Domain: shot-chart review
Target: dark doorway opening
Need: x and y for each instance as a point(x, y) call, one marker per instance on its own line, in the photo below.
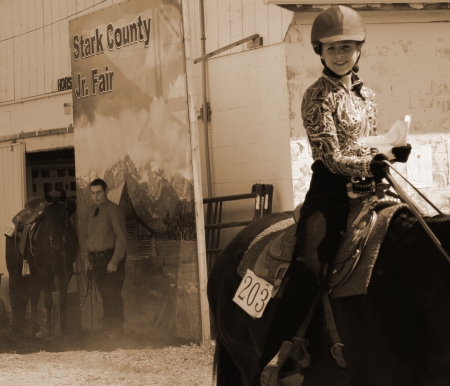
point(51, 171)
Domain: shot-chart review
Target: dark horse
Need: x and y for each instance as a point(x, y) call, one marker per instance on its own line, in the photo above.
point(54, 252)
point(396, 335)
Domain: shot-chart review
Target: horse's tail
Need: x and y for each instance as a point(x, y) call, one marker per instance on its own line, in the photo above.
point(225, 371)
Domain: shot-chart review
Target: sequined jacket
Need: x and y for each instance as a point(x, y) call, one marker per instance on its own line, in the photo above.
point(334, 118)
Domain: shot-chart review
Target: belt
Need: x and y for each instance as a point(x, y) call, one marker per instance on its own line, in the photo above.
point(357, 187)
point(101, 253)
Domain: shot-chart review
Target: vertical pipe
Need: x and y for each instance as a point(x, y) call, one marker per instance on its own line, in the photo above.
point(196, 170)
point(205, 99)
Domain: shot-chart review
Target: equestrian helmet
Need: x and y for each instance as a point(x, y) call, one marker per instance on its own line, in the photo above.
point(336, 24)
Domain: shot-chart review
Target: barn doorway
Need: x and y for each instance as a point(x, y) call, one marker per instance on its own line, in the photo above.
point(51, 171)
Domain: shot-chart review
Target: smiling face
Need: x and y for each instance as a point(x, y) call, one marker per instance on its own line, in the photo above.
point(340, 57)
point(98, 195)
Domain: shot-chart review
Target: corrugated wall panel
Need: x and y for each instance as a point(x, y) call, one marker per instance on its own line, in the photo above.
point(12, 194)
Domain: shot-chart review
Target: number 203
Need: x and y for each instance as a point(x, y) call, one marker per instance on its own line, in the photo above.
point(251, 292)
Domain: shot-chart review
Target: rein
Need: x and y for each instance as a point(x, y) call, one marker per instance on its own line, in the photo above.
point(413, 208)
point(65, 229)
point(63, 249)
point(90, 281)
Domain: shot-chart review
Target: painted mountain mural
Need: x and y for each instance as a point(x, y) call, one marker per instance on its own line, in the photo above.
point(164, 203)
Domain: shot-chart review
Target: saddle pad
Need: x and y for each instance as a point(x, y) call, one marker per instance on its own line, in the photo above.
point(10, 229)
point(358, 282)
point(270, 253)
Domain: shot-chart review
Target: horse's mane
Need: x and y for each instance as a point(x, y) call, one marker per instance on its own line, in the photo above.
point(440, 218)
point(404, 221)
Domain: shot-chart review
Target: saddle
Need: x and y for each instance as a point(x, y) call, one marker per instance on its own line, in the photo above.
point(349, 274)
point(270, 253)
point(23, 225)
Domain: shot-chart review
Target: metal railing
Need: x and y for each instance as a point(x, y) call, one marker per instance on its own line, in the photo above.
point(262, 195)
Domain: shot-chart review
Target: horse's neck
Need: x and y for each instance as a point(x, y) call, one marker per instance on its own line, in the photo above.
point(41, 235)
point(410, 240)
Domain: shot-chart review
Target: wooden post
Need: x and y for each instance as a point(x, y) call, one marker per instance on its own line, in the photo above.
point(196, 166)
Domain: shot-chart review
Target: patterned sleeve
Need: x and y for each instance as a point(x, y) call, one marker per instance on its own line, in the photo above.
point(339, 154)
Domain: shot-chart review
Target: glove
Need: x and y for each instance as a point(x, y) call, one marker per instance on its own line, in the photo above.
point(377, 167)
point(401, 153)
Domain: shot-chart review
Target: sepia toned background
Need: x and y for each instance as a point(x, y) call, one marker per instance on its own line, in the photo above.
point(255, 133)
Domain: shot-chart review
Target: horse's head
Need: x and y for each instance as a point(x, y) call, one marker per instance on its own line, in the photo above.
point(57, 212)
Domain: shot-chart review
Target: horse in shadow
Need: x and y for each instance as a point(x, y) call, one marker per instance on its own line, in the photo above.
point(396, 335)
point(50, 254)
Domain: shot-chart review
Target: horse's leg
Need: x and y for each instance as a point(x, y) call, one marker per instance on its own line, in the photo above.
point(19, 286)
point(48, 302)
point(64, 280)
point(240, 359)
point(370, 335)
point(19, 293)
point(227, 373)
point(36, 286)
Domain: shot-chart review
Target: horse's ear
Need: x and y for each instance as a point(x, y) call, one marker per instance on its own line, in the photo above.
point(47, 197)
point(63, 195)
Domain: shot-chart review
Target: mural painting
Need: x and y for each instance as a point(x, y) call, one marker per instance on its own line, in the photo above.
point(132, 130)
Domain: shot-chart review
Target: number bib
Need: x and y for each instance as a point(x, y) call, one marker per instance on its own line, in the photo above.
point(253, 294)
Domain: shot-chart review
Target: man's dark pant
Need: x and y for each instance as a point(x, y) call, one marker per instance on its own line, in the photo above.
point(110, 288)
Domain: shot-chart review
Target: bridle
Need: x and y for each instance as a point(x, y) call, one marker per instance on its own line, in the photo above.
point(65, 227)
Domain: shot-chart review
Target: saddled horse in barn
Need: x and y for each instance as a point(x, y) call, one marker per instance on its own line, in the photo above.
point(50, 249)
point(397, 333)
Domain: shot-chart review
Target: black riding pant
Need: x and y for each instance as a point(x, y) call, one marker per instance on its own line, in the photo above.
point(110, 286)
point(323, 217)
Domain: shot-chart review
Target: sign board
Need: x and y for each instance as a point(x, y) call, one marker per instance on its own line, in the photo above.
point(132, 130)
point(65, 83)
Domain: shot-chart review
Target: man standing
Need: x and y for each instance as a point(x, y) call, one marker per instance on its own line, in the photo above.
point(104, 235)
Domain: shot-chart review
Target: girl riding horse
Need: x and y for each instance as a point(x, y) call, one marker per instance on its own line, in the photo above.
point(337, 110)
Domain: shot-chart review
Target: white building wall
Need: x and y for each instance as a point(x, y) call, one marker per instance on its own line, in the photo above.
point(44, 113)
point(34, 54)
point(228, 21)
point(250, 127)
point(248, 131)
